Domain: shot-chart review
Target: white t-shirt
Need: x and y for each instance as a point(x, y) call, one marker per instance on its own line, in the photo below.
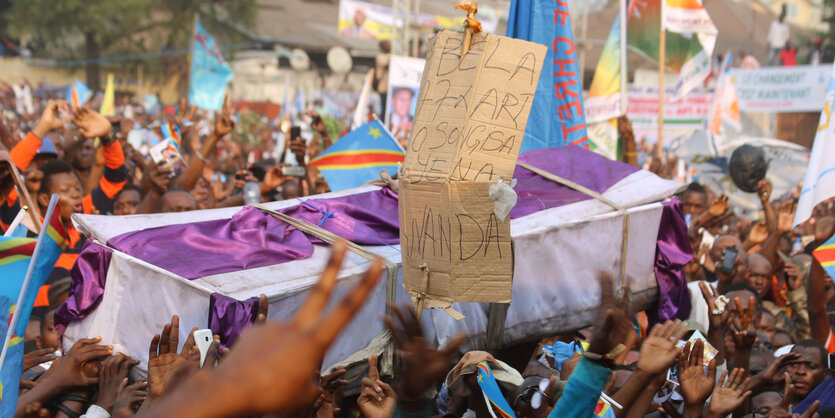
point(778, 34)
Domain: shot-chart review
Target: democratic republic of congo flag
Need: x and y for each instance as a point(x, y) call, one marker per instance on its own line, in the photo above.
point(78, 94)
point(825, 254)
point(15, 255)
point(358, 157)
point(492, 392)
point(172, 134)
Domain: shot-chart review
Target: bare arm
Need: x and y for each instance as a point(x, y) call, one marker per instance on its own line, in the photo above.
point(818, 319)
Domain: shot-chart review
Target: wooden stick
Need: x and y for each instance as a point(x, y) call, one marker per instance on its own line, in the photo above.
point(421, 296)
point(468, 39)
point(662, 49)
point(26, 201)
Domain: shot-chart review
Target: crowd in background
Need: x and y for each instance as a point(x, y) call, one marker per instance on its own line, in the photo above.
point(759, 299)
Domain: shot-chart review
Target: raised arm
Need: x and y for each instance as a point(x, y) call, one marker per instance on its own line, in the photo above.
point(223, 125)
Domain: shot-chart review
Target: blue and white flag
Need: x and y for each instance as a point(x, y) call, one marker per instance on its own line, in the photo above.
point(819, 183)
point(557, 116)
point(209, 72)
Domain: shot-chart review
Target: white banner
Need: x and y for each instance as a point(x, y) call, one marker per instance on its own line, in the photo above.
point(359, 19)
point(681, 116)
point(404, 83)
point(819, 182)
point(782, 89)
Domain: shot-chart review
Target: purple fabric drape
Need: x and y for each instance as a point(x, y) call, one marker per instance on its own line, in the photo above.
point(364, 218)
point(672, 253)
point(250, 239)
point(229, 317)
point(88, 277)
point(574, 163)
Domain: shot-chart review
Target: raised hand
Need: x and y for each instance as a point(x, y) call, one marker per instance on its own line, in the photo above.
point(719, 207)
point(129, 398)
point(330, 386)
point(69, 372)
point(785, 217)
point(163, 360)
point(774, 373)
point(613, 318)
point(765, 189)
point(377, 399)
point(758, 233)
point(729, 393)
point(717, 321)
point(159, 176)
point(113, 372)
point(695, 386)
point(782, 409)
point(38, 357)
point(424, 365)
point(91, 124)
point(51, 118)
point(743, 327)
point(659, 350)
point(292, 350)
point(224, 122)
point(794, 277)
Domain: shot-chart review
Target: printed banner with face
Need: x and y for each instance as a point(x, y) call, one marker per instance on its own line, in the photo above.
point(404, 83)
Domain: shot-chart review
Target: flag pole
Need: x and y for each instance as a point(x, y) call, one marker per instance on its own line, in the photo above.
point(662, 41)
point(624, 19)
point(33, 262)
point(190, 55)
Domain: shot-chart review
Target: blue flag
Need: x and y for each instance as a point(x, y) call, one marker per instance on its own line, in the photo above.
point(77, 94)
point(209, 72)
point(15, 255)
point(557, 115)
point(492, 393)
point(358, 157)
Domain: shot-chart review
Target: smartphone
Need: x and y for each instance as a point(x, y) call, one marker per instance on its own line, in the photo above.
point(295, 132)
point(295, 171)
point(830, 360)
point(203, 339)
point(729, 260)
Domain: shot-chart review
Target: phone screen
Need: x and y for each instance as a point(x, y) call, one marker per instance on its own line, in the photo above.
point(295, 132)
point(730, 259)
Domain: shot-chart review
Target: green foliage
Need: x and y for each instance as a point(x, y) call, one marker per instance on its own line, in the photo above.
point(334, 126)
point(71, 29)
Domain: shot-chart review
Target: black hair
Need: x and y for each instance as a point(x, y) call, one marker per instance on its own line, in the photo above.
point(766, 389)
point(740, 285)
point(51, 168)
point(812, 343)
point(696, 188)
point(129, 186)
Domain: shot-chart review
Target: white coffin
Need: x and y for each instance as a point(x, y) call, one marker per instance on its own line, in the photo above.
point(557, 254)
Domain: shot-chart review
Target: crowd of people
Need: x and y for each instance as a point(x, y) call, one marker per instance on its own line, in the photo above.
point(756, 341)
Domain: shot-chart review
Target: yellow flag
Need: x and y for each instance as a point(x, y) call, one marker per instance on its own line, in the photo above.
point(107, 105)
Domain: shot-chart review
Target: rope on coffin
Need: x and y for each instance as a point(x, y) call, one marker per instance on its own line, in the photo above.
point(391, 269)
point(585, 190)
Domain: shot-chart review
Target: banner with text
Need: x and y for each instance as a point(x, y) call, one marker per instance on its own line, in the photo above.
point(681, 116)
point(781, 89)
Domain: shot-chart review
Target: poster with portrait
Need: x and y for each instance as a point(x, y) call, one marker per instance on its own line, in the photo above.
point(373, 22)
point(401, 100)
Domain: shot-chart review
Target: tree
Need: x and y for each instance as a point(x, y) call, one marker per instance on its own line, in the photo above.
point(92, 29)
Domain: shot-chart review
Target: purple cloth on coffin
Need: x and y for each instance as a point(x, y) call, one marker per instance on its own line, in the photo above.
point(229, 317)
point(250, 239)
point(570, 162)
point(365, 218)
point(88, 277)
point(672, 253)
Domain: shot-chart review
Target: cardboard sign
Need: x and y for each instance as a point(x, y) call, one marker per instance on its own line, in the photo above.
point(469, 123)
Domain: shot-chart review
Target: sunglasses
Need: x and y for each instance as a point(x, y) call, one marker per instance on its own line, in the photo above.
point(534, 395)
